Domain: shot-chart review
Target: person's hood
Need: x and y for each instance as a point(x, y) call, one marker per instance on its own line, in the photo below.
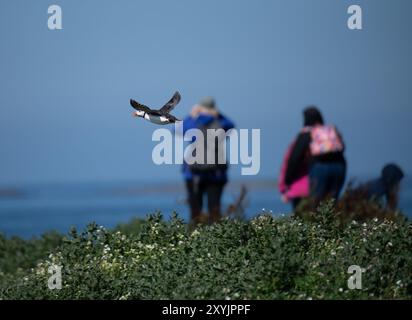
point(208, 103)
point(392, 174)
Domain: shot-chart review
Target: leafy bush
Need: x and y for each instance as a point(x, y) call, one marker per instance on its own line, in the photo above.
point(265, 258)
point(18, 255)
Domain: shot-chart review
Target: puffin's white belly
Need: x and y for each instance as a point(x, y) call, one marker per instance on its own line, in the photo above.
point(156, 119)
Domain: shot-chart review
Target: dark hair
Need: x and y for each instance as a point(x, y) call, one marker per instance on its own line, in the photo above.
point(312, 116)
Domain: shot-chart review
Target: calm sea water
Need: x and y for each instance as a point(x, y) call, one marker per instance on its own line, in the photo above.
point(32, 210)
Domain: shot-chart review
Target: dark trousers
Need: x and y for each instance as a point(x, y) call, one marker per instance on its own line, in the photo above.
point(326, 180)
point(197, 189)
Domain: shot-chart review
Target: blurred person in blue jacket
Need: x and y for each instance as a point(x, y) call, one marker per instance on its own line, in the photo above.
point(204, 178)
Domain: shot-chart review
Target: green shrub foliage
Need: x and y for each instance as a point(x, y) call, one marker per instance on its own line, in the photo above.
point(265, 258)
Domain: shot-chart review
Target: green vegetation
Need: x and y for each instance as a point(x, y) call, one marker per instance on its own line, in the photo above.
point(265, 258)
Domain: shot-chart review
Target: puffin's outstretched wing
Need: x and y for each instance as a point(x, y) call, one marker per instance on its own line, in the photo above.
point(168, 107)
point(139, 107)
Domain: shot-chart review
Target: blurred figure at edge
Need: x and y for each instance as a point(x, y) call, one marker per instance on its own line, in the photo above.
point(385, 189)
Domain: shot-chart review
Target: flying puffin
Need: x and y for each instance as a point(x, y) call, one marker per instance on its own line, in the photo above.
point(161, 116)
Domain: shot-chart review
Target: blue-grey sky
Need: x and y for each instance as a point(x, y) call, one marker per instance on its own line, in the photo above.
point(64, 94)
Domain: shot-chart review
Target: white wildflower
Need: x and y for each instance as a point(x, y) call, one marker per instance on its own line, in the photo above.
point(195, 233)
